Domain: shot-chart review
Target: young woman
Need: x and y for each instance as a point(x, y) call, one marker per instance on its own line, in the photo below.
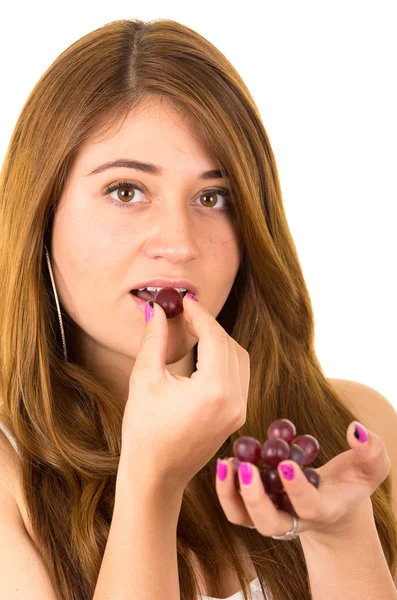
point(140, 160)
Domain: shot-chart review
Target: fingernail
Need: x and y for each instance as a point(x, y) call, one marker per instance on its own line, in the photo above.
point(189, 295)
point(245, 470)
point(221, 469)
point(360, 432)
point(287, 471)
point(149, 310)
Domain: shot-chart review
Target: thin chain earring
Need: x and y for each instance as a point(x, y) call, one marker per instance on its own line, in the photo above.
point(57, 303)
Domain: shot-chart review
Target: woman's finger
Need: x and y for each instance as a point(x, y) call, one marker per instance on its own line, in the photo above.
point(229, 497)
point(266, 517)
point(372, 458)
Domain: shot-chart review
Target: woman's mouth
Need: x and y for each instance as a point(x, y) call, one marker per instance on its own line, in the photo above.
point(170, 299)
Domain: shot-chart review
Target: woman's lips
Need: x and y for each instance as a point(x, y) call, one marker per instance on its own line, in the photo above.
point(140, 301)
point(144, 294)
point(169, 304)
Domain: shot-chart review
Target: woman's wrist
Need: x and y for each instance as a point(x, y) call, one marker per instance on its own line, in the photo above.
point(348, 565)
point(362, 524)
point(147, 481)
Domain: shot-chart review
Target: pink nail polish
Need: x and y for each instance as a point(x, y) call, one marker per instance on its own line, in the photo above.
point(287, 472)
point(189, 295)
point(245, 470)
point(221, 469)
point(149, 310)
point(360, 432)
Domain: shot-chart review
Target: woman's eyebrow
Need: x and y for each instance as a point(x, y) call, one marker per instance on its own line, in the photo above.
point(150, 168)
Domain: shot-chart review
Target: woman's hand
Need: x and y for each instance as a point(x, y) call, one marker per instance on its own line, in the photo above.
point(346, 485)
point(173, 425)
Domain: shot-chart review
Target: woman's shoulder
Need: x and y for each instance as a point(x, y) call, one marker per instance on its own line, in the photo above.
point(9, 462)
point(10, 477)
point(9, 473)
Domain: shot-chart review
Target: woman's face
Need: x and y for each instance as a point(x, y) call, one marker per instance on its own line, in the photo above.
point(170, 229)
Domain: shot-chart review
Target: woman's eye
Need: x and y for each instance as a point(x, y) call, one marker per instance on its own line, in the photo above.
point(211, 198)
point(126, 193)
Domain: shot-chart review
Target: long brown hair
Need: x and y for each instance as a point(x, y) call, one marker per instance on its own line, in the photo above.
point(66, 422)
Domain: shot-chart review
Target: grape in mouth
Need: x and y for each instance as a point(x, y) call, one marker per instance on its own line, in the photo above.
point(170, 300)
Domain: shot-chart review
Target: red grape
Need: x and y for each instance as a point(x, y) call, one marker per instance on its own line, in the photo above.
point(247, 449)
point(271, 480)
point(285, 504)
point(236, 463)
point(274, 451)
point(280, 445)
point(312, 476)
point(282, 428)
point(296, 454)
point(309, 445)
point(275, 498)
point(170, 301)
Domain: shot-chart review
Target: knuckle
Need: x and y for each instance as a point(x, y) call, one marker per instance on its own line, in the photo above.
point(236, 416)
point(242, 352)
point(240, 419)
point(217, 395)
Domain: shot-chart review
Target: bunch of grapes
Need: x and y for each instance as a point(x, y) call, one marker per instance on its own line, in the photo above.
point(281, 444)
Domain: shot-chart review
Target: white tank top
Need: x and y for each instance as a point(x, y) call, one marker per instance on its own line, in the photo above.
point(255, 586)
point(256, 593)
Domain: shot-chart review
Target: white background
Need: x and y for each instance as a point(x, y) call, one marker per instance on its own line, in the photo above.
point(323, 75)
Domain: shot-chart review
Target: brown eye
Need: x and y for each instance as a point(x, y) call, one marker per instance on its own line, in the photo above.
point(125, 194)
point(211, 198)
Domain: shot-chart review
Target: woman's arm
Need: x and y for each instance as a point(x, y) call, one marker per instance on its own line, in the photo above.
point(140, 559)
point(349, 567)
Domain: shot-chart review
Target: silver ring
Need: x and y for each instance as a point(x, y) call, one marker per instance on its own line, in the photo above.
point(290, 535)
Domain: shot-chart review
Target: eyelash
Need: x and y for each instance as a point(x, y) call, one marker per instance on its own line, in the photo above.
point(134, 186)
